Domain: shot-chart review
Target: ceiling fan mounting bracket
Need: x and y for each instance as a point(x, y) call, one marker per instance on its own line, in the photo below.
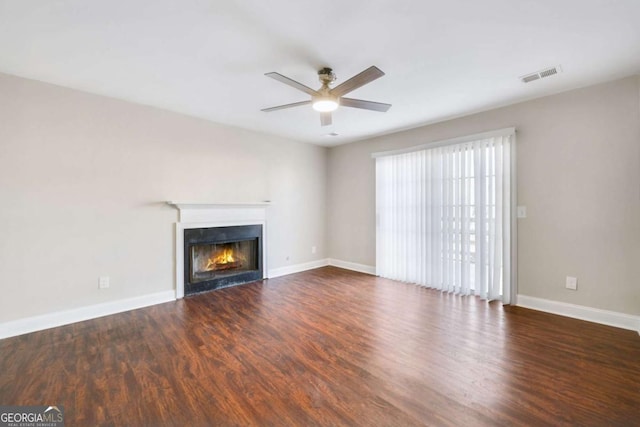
point(326, 76)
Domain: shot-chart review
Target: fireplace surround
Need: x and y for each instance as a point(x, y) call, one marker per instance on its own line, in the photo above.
point(217, 257)
point(206, 215)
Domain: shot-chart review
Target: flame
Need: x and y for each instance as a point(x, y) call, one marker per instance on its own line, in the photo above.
point(223, 257)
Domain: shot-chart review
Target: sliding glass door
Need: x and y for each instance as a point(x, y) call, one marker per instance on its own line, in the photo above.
point(444, 216)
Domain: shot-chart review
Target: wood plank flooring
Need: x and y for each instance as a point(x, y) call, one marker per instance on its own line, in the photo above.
point(328, 347)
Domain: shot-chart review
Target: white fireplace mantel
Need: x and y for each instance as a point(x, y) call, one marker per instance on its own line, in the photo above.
point(211, 214)
point(205, 205)
point(212, 211)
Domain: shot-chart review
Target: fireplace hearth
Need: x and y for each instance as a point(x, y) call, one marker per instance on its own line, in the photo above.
point(218, 257)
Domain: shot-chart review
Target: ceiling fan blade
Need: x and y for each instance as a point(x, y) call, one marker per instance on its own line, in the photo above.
point(366, 105)
point(325, 119)
point(367, 76)
point(292, 83)
point(282, 107)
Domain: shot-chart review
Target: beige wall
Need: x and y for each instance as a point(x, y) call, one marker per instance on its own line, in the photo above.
point(578, 171)
point(82, 184)
point(83, 178)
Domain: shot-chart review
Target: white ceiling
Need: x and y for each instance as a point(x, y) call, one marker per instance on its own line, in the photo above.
point(207, 58)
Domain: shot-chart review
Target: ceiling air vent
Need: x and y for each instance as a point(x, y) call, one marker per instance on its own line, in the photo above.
point(541, 74)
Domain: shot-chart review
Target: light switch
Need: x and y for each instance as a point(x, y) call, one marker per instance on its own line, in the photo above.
point(521, 212)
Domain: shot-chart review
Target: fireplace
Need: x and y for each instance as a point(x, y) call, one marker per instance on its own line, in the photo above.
point(218, 257)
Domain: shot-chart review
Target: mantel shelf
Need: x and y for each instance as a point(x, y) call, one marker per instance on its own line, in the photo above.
point(214, 205)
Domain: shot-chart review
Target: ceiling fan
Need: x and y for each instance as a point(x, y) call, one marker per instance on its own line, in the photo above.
point(325, 100)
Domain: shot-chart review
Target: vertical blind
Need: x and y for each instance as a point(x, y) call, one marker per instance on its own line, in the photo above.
point(444, 217)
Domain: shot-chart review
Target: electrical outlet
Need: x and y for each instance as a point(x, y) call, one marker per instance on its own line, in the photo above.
point(313, 249)
point(571, 283)
point(103, 282)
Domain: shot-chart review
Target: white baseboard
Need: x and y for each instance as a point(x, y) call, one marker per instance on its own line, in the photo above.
point(605, 317)
point(297, 268)
point(60, 318)
point(362, 268)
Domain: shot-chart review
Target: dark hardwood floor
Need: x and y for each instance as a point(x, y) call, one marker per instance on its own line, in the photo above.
point(328, 347)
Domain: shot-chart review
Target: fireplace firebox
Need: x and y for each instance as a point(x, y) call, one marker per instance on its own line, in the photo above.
point(218, 257)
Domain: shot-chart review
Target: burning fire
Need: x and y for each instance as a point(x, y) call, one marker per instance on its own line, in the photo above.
point(221, 259)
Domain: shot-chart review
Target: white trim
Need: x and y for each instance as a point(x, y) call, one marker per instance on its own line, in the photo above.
point(451, 141)
point(297, 268)
point(210, 205)
point(209, 211)
point(514, 223)
point(60, 318)
point(605, 317)
point(347, 265)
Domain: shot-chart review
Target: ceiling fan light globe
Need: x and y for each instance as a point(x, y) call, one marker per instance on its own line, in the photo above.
point(325, 105)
